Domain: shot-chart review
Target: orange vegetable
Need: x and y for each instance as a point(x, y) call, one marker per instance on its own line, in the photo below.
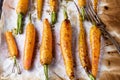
point(95, 4)
point(83, 47)
point(39, 8)
point(12, 46)
point(66, 46)
point(81, 3)
point(46, 47)
point(29, 45)
point(53, 6)
point(22, 6)
point(83, 54)
point(95, 36)
point(21, 10)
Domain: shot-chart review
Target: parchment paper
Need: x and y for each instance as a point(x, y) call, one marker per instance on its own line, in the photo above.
point(56, 69)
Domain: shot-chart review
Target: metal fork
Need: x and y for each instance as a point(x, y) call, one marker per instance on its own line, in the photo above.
point(94, 18)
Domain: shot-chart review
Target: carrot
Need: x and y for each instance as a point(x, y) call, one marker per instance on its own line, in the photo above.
point(82, 4)
point(21, 10)
point(95, 35)
point(29, 45)
point(39, 8)
point(83, 55)
point(53, 6)
point(66, 46)
point(46, 47)
point(95, 3)
point(83, 47)
point(12, 46)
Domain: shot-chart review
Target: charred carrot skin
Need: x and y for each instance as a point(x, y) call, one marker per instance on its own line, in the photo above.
point(39, 8)
point(95, 36)
point(21, 10)
point(83, 54)
point(29, 45)
point(53, 6)
point(46, 47)
point(12, 46)
point(83, 47)
point(66, 46)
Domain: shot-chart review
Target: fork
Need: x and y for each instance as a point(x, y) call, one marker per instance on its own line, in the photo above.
point(94, 18)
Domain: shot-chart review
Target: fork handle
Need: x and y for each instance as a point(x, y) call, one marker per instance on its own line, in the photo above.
point(109, 36)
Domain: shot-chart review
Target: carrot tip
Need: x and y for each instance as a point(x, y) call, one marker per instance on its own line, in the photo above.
point(46, 71)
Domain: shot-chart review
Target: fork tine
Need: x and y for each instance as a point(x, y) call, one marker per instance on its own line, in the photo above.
point(93, 12)
point(79, 11)
point(76, 7)
point(92, 16)
point(88, 15)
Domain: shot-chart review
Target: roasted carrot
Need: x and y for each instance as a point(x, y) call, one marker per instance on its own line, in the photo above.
point(83, 47)
point(66, 46)
point(12, 46)
point(39, 8)
point(53, 6)
point(29, 45)
point(95, 36)
point(46, 47)
point(95, 4)
point(83, 54)
point(21, 10)
point(82, 4)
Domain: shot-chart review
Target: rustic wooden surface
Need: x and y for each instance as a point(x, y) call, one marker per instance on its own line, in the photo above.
point(111, 17)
